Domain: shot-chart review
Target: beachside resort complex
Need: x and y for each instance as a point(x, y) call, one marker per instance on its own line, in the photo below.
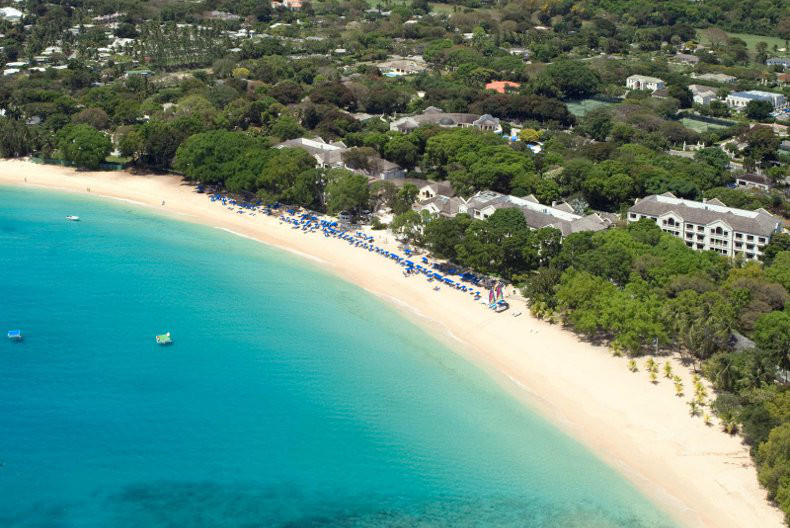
point(613, 177)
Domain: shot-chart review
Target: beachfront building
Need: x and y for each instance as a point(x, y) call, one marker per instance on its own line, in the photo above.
point(754, 181)
point(330, 156)
point(643, 82)
point(709, 225)
point(437, 116)
point(739, 100)
point(703, 95)
point(483, 204)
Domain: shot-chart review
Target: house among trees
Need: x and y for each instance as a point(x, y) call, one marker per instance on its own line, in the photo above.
point(702, 95)
point(685, 58)
point(287, 4)
point(784, 62)
point(754, 181)
point(709, 225)
point(332, 156)
point(643, 82)
point(437, 116)
point(739, 100)
point(502, 86)
point(11, 14)
point(716, 77)
point(399, 66)
point(431, 189)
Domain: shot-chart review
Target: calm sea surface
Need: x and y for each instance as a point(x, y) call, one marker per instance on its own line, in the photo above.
point(289, 398)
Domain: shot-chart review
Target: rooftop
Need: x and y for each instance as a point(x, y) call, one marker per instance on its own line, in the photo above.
point(759, 222)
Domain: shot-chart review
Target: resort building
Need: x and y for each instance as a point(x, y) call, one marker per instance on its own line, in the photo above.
point(702, 95)
point(784, 62)
point(330, 156)
point(643, 82)
point(754, 181)
point(739, 100)
point(431, 189)
point(502, 86)
point(483, 204)
point(436, 116)
point(709, 225)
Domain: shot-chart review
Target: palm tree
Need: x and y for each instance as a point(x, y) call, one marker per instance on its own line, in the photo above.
point(667, 370)
point(694, 408)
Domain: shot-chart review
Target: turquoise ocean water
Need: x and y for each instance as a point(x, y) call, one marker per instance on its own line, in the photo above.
point(289, 399)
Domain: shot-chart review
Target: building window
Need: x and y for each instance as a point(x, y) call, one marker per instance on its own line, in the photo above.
point(761, 240)
point(749, 237)
point(738, 236)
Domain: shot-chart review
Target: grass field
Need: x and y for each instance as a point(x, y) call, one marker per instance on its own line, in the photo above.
point(699, 126)
point(751, 40)
point(580, 107)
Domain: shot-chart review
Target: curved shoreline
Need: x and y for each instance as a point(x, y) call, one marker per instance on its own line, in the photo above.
point(699, 475)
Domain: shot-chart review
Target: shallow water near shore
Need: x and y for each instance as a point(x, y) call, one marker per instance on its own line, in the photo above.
point(289, 397)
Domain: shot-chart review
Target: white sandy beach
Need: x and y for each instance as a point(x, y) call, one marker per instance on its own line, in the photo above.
point(698, 474)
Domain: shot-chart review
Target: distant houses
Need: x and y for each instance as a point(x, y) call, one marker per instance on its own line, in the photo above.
point(287, 4)
point(709, 225)
point(436, 116)
point(739, 100)
point(643, 82)
point(483, 204)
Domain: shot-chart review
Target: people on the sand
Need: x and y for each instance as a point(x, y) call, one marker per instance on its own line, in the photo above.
point(308, 222)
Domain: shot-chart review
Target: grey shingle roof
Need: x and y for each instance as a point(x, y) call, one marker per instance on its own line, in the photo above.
point(759, 222)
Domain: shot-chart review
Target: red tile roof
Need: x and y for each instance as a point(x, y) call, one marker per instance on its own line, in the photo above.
point(499, 86)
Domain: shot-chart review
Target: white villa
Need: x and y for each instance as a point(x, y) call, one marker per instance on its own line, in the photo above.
point(643, 82)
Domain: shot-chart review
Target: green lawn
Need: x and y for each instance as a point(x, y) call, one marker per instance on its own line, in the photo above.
point(699, 126)
point(751, 40)
point(582, 106)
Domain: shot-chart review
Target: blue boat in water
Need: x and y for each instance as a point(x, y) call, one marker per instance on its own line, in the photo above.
point(15, 335)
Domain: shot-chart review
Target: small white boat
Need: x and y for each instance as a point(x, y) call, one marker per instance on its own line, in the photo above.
point(73, 218)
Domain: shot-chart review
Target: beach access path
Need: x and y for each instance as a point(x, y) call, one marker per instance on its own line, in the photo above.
point(701, 476)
